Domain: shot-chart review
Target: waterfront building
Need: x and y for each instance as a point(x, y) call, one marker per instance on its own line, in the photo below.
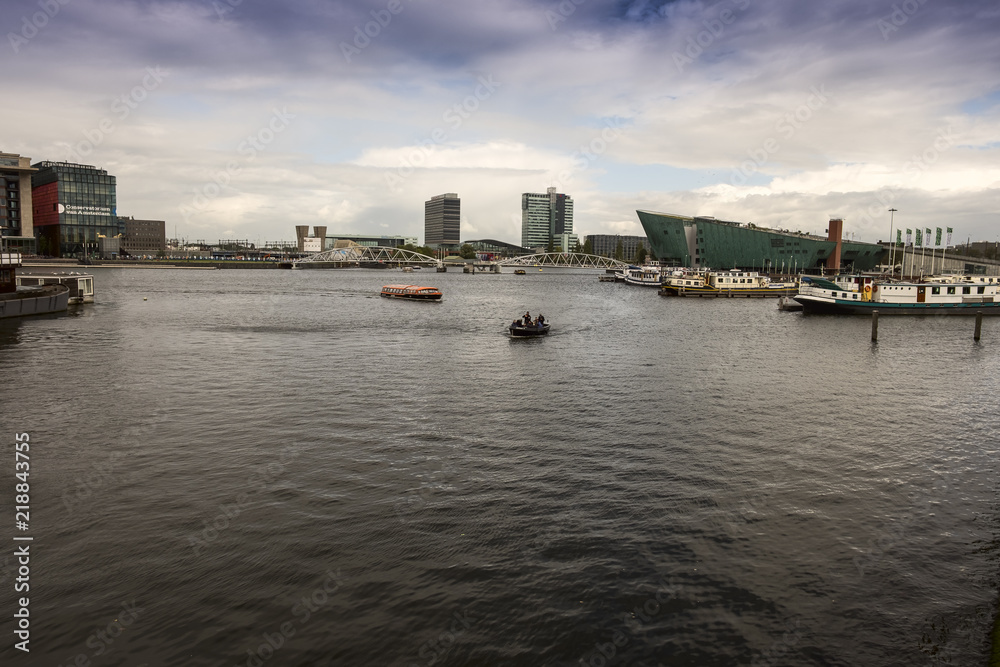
point(141, 237)
point(703, 242)
point(547, 221)
point(73, 205)
point(606, 244)
point(16, 212)
point(442, 221)
point(490, 249)
point(371, 240)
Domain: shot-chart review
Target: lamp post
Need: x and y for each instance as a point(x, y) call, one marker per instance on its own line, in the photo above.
point(892, 244)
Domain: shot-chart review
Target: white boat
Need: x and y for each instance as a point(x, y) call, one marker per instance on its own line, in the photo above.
point(646, 276)
point(858, 294)
point(81, 285)
point(16, 301)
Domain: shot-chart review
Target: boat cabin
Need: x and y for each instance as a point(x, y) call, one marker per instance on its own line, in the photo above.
point(81, 285)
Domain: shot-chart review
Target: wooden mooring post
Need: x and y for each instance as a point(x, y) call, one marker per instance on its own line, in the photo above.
point(875, 325)
point(979, 325)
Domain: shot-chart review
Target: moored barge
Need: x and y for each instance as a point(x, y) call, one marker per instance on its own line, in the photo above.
point(733, 283)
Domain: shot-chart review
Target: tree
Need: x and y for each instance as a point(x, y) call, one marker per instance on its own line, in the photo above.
point(620, 251)
point(467, 251)
point(588, 247)
point(550, 247)
point(640, 254)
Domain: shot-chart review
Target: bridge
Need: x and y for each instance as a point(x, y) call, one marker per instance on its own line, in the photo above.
point(368, 254)
point(358, 254)
point(572, 259)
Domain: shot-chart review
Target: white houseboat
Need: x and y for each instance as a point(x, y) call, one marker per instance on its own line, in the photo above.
point(21, 301)
point(81, 285)
point(945, 295)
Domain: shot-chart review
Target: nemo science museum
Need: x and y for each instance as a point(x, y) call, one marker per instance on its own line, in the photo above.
point(707, 243)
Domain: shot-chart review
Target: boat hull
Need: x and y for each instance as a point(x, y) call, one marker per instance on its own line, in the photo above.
point(756, 292)
point(818, 306)
point(414, 297)
point(37, 301)
point(521, 331)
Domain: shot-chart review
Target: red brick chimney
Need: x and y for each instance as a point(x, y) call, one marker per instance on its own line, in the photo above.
point(835, 232)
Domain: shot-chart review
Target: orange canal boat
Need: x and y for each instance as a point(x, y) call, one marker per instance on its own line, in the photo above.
point(414, 292)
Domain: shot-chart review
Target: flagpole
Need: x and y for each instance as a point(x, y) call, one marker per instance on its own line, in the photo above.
point(892, 242)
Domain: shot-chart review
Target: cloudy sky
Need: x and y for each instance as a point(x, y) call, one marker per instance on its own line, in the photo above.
point(243, 118)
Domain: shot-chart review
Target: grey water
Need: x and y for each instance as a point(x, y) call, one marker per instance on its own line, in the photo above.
point(281, 468)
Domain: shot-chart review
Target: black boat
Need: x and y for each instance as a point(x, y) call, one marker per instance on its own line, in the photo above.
point(521, 330)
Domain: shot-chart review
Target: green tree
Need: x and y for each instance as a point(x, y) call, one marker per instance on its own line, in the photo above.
point(620, 251)
point(640, 254)
point(467, 251)
point(588, 247)
point(550, 247)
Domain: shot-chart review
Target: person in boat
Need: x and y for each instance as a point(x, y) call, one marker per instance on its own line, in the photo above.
point(527, 318)
point(541, 319)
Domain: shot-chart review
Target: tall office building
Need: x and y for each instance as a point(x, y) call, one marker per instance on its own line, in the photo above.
point(73, 205)
point(547, 219)
point(15, 202)
point(442, 221)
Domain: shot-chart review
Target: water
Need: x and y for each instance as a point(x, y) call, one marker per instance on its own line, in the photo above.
point(281, 468)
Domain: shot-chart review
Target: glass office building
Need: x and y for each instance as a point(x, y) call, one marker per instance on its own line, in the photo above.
point(547, 221)
point(74, 205)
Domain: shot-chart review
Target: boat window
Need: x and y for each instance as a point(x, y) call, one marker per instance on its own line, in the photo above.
point(981, 290)
point(935, 290)
point(966, 290)
point(951, 290)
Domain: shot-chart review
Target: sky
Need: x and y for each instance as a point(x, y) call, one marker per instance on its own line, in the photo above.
point(243, 118)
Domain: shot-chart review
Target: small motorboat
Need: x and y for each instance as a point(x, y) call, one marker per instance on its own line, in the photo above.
point(522, 330)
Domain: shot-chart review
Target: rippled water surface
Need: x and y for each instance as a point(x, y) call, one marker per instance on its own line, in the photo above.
point(282, 468)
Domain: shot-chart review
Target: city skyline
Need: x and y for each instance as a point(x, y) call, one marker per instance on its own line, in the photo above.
point(242, 120)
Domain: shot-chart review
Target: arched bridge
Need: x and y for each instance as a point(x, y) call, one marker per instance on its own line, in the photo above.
point(358, 254)
point(375, 254)
point(574, 259)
